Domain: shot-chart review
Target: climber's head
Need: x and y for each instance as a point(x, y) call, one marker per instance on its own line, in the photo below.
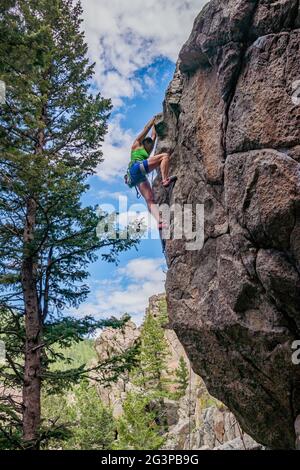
point(148, 144)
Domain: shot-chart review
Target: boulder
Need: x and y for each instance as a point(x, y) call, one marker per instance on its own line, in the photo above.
point(231, 123)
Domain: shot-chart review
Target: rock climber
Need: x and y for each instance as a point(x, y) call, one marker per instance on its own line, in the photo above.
point(142, 163)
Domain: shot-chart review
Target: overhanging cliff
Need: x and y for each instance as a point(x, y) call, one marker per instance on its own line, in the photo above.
point(232, 118)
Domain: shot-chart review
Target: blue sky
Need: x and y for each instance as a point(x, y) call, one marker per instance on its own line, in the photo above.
point(134, 45)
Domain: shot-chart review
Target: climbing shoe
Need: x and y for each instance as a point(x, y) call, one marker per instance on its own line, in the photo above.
point(166, 183)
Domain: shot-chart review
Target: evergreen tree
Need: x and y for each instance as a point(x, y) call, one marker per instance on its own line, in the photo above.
point(137, 428)
point(91, 424)
point(163, 312)
point(51, 130)
point(59, 418)
point(96, 428)
point(152, 360)
point(182, 375)
point(60, 374)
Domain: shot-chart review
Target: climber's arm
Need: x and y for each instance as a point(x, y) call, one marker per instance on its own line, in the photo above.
point(154, 134)
point(138, 141)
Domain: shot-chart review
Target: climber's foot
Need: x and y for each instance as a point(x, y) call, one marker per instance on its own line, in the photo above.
point(172, 179)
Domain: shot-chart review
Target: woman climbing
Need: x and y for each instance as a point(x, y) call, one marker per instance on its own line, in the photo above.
point(142, 163)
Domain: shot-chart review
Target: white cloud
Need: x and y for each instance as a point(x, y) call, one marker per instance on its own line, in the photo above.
point(141, 269)
point(105, 194)
point(143, 278)
point(116, 150)
point(125, 36)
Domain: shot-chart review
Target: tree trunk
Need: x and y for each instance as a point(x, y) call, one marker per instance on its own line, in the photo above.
point(33, 326)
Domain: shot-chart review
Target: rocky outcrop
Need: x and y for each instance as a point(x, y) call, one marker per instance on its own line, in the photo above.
point(193, 421)
point(110, 343)
point(231, 120)
point(206, 424)
point(240, 443)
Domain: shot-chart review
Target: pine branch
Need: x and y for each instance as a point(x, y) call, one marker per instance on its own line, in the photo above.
point(16, 443)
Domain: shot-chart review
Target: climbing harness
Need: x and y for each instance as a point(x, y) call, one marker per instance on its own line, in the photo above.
point(132, 182)
point(143, 169)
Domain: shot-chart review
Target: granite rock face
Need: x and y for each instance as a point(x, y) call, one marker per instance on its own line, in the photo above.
point(232, 122)
point(110, 343)
point(194, 421)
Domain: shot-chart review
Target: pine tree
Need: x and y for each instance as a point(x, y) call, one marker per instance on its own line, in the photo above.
point(137, 428)
point(51, 130)
point(163, 312)
point(152, 360)
point(60, 373)
point(91, 424)
point(96, 430)
point(182, 375)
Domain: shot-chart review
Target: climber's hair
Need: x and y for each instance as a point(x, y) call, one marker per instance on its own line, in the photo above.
point(148, 140)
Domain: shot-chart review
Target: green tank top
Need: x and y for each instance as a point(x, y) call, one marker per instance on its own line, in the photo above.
point(139, 155)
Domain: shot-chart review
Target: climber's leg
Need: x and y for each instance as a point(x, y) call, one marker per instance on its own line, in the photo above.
point(147, 193)
point(162, 160)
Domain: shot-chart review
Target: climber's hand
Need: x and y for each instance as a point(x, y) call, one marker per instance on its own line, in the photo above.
point(138, 141)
